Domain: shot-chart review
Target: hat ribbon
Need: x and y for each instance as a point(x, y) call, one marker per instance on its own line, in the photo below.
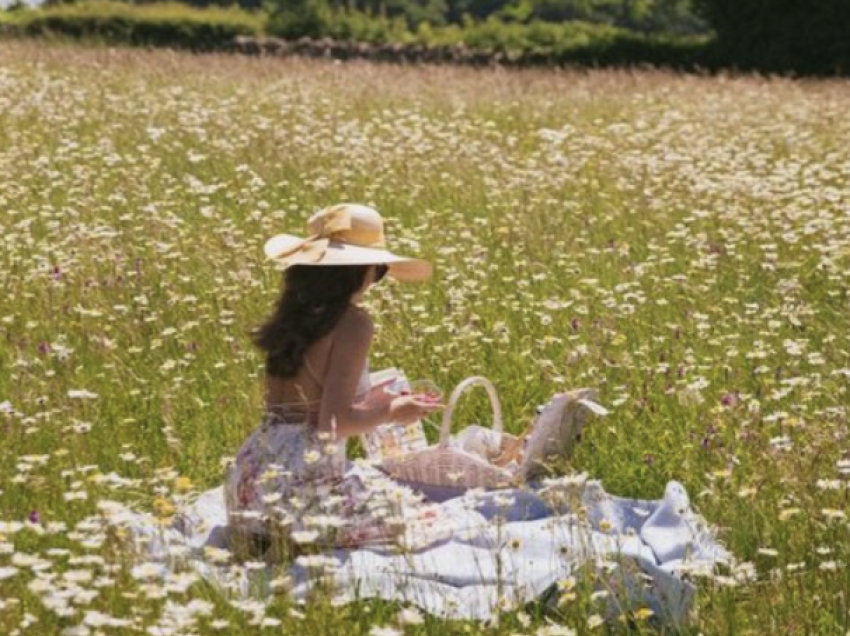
point(334, 222)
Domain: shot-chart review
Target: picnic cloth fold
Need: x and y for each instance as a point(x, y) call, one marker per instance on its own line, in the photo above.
point(506, 548)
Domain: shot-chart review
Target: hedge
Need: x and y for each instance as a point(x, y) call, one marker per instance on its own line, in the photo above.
point(575, 42)
point(534, 43)
point(160, 24)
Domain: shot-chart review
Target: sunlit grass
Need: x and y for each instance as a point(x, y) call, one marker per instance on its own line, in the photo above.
point(679, 242)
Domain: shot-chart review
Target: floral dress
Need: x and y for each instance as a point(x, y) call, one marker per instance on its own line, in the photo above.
point(291, 480)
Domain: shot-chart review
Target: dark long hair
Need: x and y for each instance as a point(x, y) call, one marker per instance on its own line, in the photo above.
point(313, 299)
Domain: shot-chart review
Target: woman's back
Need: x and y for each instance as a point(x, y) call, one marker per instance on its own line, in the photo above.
point(302, 393)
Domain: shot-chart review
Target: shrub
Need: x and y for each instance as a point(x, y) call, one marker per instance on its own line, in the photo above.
point(300, 18)
point(316, 19)
point(357, 26)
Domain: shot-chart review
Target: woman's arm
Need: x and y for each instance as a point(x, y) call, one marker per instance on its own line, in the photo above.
point(347, 360)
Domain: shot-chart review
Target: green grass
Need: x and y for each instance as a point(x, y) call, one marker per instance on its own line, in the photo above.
point(681, 243)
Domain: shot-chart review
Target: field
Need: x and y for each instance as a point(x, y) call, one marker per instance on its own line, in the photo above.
point(680, 242)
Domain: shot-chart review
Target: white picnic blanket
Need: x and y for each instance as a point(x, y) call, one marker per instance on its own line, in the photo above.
point(505, 549)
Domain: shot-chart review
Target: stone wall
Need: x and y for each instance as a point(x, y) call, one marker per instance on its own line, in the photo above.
point(394, 52)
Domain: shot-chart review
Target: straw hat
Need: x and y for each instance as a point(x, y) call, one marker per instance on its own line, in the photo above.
point(345, 234)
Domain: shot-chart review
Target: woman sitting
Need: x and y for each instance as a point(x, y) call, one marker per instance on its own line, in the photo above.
point(290, 476)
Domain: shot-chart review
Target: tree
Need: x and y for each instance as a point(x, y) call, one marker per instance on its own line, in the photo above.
point(783, 35)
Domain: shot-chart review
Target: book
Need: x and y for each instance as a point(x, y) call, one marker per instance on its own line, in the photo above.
point(392, 440)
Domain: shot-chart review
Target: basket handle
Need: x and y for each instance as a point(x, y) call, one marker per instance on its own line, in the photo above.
point(445, 429)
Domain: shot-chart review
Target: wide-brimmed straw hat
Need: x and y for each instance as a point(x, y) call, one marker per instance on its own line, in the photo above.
point(345, 234)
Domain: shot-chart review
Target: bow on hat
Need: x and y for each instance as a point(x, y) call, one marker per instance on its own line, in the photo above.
point(331, 224)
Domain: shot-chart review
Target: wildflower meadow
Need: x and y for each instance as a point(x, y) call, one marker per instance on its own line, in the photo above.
point(680, 242)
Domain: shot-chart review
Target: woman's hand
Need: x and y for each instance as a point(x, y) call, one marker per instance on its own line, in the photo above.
point(377, 397)
point(407, 409)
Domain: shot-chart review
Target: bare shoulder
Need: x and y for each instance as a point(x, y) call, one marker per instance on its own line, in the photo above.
point(356, 322)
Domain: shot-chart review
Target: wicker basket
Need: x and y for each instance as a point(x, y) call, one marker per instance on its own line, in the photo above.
point(450, 466)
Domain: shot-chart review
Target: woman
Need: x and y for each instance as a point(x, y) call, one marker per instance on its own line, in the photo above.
point(290, 475)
